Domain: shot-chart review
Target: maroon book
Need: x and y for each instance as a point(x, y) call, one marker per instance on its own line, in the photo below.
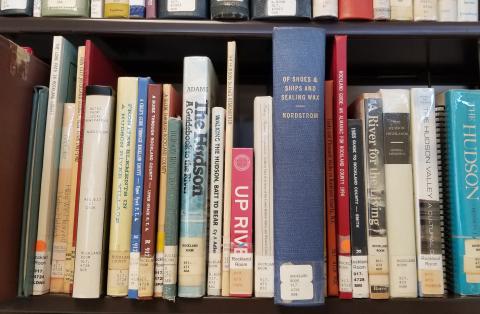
point(151, 9)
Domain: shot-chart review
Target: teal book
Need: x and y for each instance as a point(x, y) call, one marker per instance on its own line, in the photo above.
point(31, 199)
point(62, 8)
point(199, 88)
point(462, 113)
point(172, 211)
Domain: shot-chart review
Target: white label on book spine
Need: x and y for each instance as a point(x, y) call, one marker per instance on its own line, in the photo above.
point(181, 5)
point(170, 264)
point(296, 282)
point(345, 273)
point(241, 261)
point(62, 4)
point(430, 262)
point(58, 260)
point(264, 272)
point(467, 10)
point(14, 4)
point(282, 7)
point(96, 9)
point(381, 9)
point(214, 283)
point(378, 255)
point(133, 270)
point(360, 286)
point(193, 269)
point(471, 260)
point(403, 276)
point(158, 275)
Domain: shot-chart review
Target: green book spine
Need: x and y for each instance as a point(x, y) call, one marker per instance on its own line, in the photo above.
point(69, 8)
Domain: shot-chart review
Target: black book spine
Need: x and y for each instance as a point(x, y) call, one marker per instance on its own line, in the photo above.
point(183, 9)
point(230, 9)
point(281, 9)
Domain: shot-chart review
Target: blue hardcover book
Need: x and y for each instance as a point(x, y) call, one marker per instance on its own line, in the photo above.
point(462, 149)
point(136, 230)
point(137, 9)
point(298, 173)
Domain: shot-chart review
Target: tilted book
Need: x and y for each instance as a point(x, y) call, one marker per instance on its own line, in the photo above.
point(298, 133)
point(425, 10)
point(184, 9)
point(214, 275)
point(447, 10)
point(16, 7)
point(263, 150)
point(199, 91)
point(280, 9)
point(114, 9)
point(139, 168)
point(355, 9)
point(467, 10)
point(230, 9)
point(73, 8)
point(325, 9)
point(401, 10)
point(61, 91)
point(94, 192)
point(64, 190)
point(381, 9)
point(122, 186)
point(428, 217)
point(399, 193)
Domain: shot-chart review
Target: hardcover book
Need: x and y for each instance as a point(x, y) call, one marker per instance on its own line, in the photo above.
point(281, 9)
point(199, 91)
point(355, 9)
point(61, 91)
point(230, 9)
point(16, 7)
point(94, 192)
point(399, 193)
point(447, 10)
point(151, 9)
point(428, 217)
point(467, 11)
point(401, 10)
point(183, 9)
point(425, 10)
point(77, 8)
point(298, 131)
point(381, 9)
point(96, 9)
point(325, 9)
point(114, 9)
point(137, 9)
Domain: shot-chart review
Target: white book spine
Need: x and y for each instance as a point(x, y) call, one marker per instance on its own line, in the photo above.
point(325, 8)
point(447, 10)
point(401, 10)
point(263, 150)
point(96, 9)
point(381, 9)
point(98, 130)
point(425, 10)
point(37, 8)
point(214, 281)
point(426, 189)
point(467, 11)
point(399, 193)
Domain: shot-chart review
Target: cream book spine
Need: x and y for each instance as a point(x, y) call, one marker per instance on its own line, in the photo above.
point(399, 193)
point(425, 10)
point(467, 11)
point(447, 10)
point(401, 10)
point(37, 8)
point(122, 186)
point(96, 9)
point(381, 9)
point(325, 9)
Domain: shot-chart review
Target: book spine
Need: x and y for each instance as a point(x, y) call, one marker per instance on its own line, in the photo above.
point(214, 283)
point(72, 214)
point(325, 9)
point(378, 271)
point(381, 9)
point(151, 9)
point(263, 149)
point(425, 10)
point(230, 9)
point(116, 9)
point(139, 165)
point(427, 201)
point(16, 7)
point(227, 184)
point(273, 9)
point(74, 8)
point(137, 9)
point(355, 9)
point(198, 91)
point(188, 9)
point(401, 10)
point(358, 213)
point(37, 8)
point(399, 193)
point(467, 11)
point(447, 10)
point(298, 133)
point(64, 190)
point(96, 9)
point(122, 186)
point(150, 192)
point(94, 197)
point(172, 213)
point(241, 224)
point(341, 169)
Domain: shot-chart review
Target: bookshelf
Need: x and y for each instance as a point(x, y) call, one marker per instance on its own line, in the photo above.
point(392, 53)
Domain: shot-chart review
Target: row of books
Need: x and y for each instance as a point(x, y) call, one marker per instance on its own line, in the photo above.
point(401, 10)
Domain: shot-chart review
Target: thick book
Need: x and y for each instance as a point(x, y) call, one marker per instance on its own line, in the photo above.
point(263, 150)
point(355, 9)
point(447, 10)
point(16, 7)
point(122, 186)
point(61, 91)
point(137, 9)
point(96, 9)
point(298, 133)
point(64, 190)
point(199, 91)
point(381, 9)
point(116, 9)
point(428, 218)
point(230, 9)
point(401, 10)
point(172, 207)
point(325, 9)
point(339, 76)
point(183, 9)
point(399, 193)
point(461, 202)
point(280, 9)
point(32, 190)
point(425, 10)
point(241, 224)
point(172, 107)
point(369, 108)
point(94, 192)
point(467, 10)
point(150, 192)
point(139, 168)
point(74, 8)
point(217, 150)
point(151, 9)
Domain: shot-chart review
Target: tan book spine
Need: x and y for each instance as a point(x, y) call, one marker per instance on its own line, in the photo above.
point(401, 10)
point(425, 10)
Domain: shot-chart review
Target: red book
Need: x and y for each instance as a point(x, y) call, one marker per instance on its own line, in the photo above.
point(342, 196)
point(355, 9)
point(151, 9)
point(241, 224)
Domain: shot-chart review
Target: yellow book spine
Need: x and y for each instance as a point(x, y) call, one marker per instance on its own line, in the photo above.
point(116, 9)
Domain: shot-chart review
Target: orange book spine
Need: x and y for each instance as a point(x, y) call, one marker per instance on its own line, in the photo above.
point(355, 9)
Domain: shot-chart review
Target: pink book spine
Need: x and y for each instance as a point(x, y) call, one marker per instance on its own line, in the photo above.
point(241, 224)
point(151, 9)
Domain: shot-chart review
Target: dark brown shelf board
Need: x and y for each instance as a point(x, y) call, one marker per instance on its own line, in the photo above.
point(65, 304)
point(17, 25)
